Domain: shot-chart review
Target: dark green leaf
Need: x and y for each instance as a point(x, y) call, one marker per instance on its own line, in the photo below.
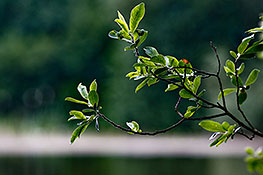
point(254, 49)
point(226, 92)
point(143, 83)
point(151, 51)
point(171, 87)
point(242, 96)
point(201, 93)
point(93, 98)
point(152, 81)
point(247, 56)
point(243, 45)
point(78, 131)
point(136, 16)
point(83, 91)
point(77, 114)
point(76, 101)
point(252, 77)
point(142, 38)
point(88, 110)
point(234, 81)
point(185, 94)
point(210, 125)
point(93, 85)
point(160, 71)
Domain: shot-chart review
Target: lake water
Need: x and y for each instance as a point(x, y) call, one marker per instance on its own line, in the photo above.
point(120, 166)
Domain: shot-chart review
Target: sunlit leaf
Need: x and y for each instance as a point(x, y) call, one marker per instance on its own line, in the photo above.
point(78, 131)
point(93, 85)
point(77, 114)
point(226, 92)
point(83, 91)
point(185, 94)
point(93, 98)
point(243, 45)
point(196, 84)
point(76, 101)
point(210, 125)
point(143, 83)
point(252, 77)
point(136, 16)
point(171, 87)
point(151, 51)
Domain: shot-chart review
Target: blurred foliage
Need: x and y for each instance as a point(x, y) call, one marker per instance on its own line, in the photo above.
point(47, 47)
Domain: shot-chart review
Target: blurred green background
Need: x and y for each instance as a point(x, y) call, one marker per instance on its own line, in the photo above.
point(48, 47)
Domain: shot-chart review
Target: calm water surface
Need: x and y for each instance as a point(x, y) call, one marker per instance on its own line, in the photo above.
point(120, 166)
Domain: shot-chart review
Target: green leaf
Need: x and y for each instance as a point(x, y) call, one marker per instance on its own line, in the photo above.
point(252, 77)
point(226, 92)
point(254, 49)
point(173, 62)
point(143, 83)
point(72, 118)
point(190, 111)
point(88, 110)
point(230, 65)
point(243, 45)
point(201, 93)
point(142, 38)
point(247, 56)
point(225, 125)
point(196, 83)
point(122, 25)
point(185, 94)
point(242, 96)
point(241, 68)
point(228, 71)
point(83, 91)
point(210, 125)
point(134, 126)
point(250, 151)
point(77, 114)
point(161, 71)
point(233, 54)
point(234, 81)
point(151, 51)
point(171, 87)
point(113, 34)
point(152, 81)
point(93, 85)
point(93, 98)
point(78, 131)
point(136, 16)
point(132, 75)
point(76, 101)
point(122, 18)
point(159, 59)
point(255, 30)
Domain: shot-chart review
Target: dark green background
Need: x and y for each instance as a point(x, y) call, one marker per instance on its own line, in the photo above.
point(48, 47)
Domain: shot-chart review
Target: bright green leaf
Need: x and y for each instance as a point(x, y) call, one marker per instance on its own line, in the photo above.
point(233, 54)
point(93, 85)
point(113, 34)
point(88, 110)
point(122, 25)
point(252, 77)
point(142, 38)
point(122, 18)
point(190, 111)
point(196, 83)
point(225, 125)
point(159, 59)
point(241, 68)
point(173, 62)
point(230, 65)
point(210, 125)
point(171, 87)
point(243, 45)
point(133, 125)
point(152, 81)
point(76, 101)
point(136, 16)
point(93, 98)
point(143, 83)
point(151, 51)
point(226, 92)
point(255, 30)
point(77, 114)
point(78, 131)
point(185, 94)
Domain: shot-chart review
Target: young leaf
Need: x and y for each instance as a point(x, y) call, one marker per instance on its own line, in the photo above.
point(93, 85)
point(225, 125)
point(77, 114)
point(122, 18)
point(132, 75)
point(136, 16)
point(83, 91)
point(226, 92)
point(142, 38)
point(93, 97)
point(252, 77)
point(113, 34)
point(88, 110)
point(143, 83)
point(190, 111)
point(171, 87)
point(151, 51)
point(133, 125)
point(243, 45)
point(241, 68)
point(196, 84)
point(78, 131)
point(233, 54)
point(255, 30)
point(230, 65)
point(185, 94)
point(173, 62)
point(210, 125)
point(122, 25)
point(159, 59)
point(76, 101)
point(152, 81)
